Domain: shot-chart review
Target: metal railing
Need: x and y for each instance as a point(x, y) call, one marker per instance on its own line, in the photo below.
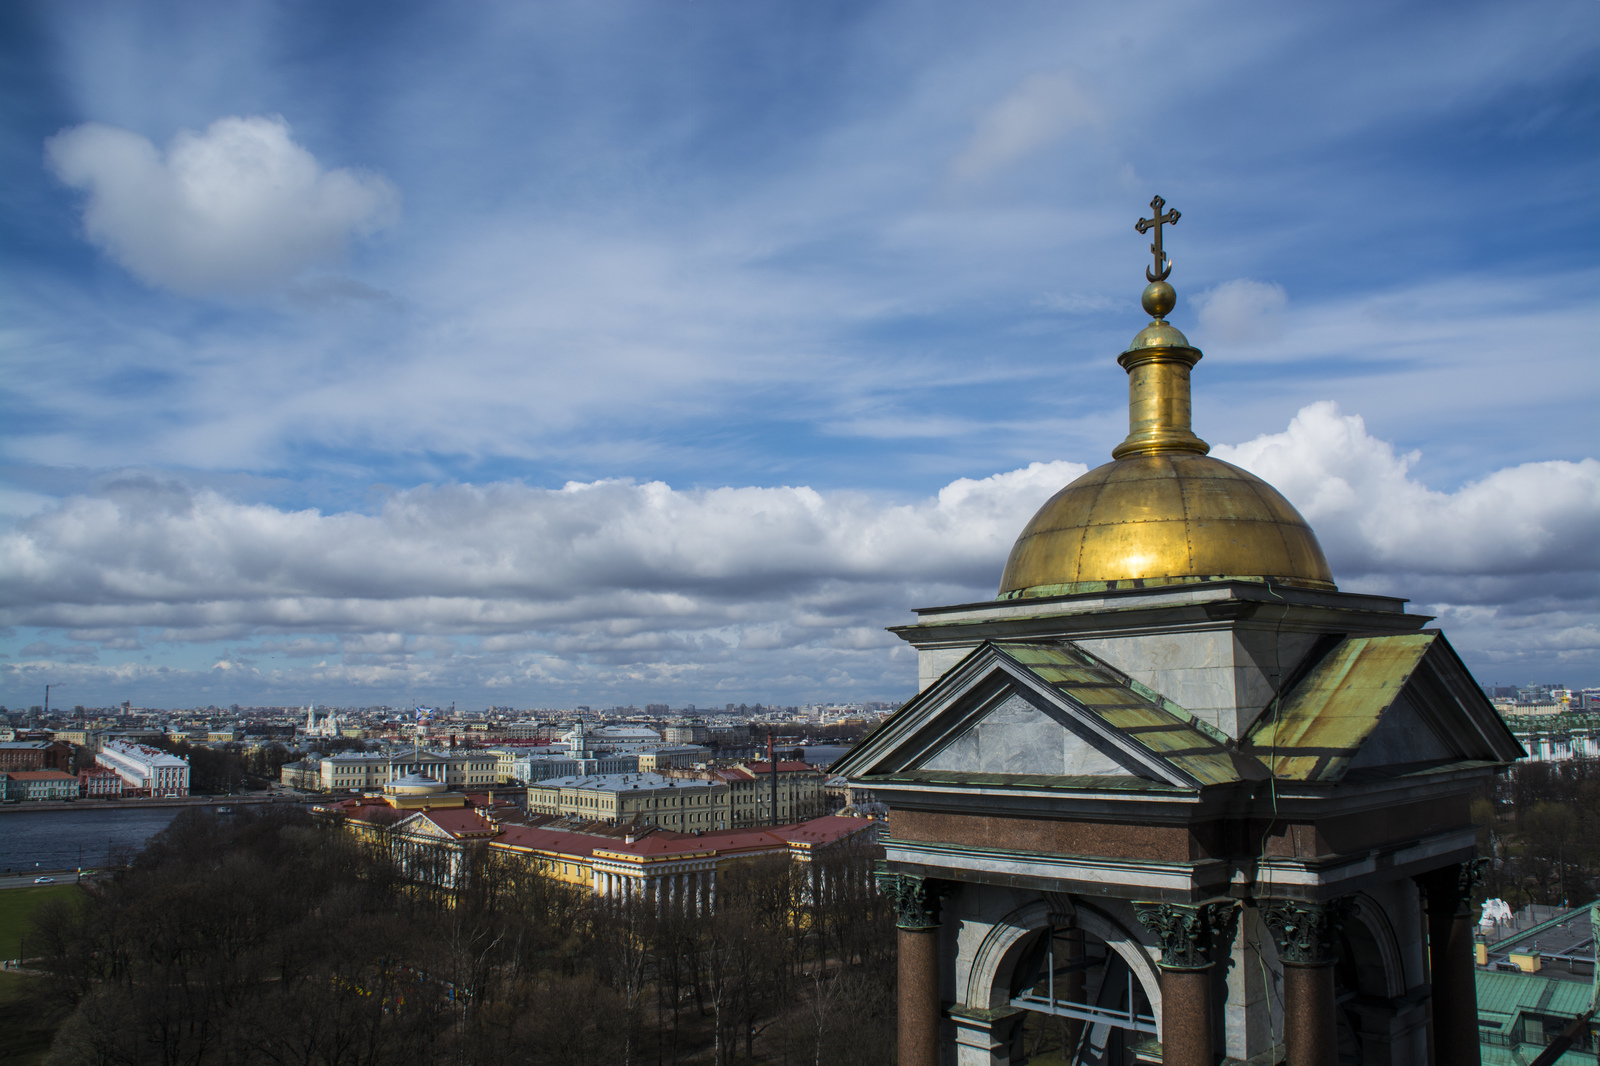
point(1063, 1008)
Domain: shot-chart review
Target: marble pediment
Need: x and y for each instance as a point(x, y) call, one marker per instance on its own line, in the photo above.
point(1046, 711)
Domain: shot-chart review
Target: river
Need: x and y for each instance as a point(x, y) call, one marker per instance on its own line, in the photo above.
point(823, 754)
point(61, 840)
point(55, 840)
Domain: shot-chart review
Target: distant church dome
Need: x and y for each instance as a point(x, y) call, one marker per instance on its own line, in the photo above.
point(1162, 512)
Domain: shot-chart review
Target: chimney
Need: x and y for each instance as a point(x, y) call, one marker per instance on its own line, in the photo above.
point(772, 763)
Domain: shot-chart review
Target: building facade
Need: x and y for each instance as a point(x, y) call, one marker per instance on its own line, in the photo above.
point(1558, 738)
point(757, 796)
point(514, 767)
point(22, 754)
point(358, 771)
point(34, 785)
point(145, 770)
point(682, 804)
point(99, 782)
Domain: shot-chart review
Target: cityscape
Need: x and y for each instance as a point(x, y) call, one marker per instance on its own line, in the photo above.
point(866, 534)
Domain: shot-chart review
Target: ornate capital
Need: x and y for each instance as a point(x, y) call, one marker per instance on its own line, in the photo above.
point(916, 899)
point(1448, 890)
point(1188, 932)
point(1305, 932)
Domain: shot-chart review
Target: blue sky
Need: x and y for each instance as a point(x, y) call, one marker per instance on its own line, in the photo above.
point(787, 294)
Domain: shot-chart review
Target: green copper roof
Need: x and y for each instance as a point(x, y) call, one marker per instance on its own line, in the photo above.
point(1503, 995)
point(1032, 782)
point(1160, 726)
point(1323, 721)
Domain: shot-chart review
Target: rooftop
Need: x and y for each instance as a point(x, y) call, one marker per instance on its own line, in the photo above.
point(1564, 940)
point(621, 782)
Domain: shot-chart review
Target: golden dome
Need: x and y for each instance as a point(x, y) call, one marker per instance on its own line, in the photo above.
point(1163, 519)
point(1163, 512)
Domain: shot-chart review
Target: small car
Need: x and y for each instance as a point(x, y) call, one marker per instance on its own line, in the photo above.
point(44, 880)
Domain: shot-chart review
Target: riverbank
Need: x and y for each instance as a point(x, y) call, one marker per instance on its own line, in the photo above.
point(178, 803)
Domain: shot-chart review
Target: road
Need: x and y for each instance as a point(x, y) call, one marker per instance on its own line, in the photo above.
point(63, 877)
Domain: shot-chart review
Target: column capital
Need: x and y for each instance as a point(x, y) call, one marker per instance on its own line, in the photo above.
point(916, 899)
point(1305, 931)
point(1188, 932)
point(1448, 890)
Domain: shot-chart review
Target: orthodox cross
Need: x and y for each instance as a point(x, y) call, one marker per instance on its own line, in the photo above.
point(1145, 224)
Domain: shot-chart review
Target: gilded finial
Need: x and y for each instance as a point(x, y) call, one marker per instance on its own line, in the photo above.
point(1158, 363)
point(1144, 225)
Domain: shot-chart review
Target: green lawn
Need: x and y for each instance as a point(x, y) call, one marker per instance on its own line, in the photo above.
point(17, 906)
point(24, 1033)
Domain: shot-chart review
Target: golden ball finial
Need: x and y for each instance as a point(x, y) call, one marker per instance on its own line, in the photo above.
point(1159, 299)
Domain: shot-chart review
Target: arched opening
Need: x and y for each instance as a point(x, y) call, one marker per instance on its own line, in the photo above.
point(1086, 1004)
point(1366, 978)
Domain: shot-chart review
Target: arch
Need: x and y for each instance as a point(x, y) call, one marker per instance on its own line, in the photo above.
point(989, 977)
point(1374, 950)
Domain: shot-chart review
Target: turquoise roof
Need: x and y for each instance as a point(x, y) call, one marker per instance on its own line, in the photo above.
point(1502, 996)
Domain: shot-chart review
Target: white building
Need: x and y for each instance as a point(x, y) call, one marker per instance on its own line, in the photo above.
point(146, 769)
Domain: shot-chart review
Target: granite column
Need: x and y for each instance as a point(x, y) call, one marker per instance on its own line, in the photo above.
point(1306, 936)
point(921, 1012)
point(1191, 936)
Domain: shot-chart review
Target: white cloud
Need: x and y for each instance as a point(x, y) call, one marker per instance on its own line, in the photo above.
point(1372, 517)
point(1243, 311)
point(240, 206)
point(500, 558)
point(1042, 108)
point(617, 586)
point(1507, 563)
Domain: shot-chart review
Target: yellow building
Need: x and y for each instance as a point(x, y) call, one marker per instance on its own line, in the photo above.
point(750, 786)
point(683, 804)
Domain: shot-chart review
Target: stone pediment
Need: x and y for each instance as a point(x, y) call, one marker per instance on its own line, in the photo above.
point(1380, 705)
point(1051, 715)
point(419, 825)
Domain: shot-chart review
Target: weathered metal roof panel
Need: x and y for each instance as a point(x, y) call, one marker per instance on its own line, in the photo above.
point(1320, 725)
point(1159, 726)
point(1030, 782)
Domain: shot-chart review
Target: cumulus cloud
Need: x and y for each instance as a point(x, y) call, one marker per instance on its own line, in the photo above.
point(500, 558)
point(240, 206)
point(1243, 311)
point(622, 584)
point(1508, 562)
point(1373, 517)
point(1042, 108)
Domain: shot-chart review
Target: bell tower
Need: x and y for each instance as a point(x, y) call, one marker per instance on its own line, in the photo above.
point(1174, 795)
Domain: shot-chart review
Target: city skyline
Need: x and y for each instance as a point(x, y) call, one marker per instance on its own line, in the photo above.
point(613, 353)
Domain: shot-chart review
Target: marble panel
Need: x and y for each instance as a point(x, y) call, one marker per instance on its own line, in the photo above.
point(1018, 738)
point(933, 662)
point(1250, 990)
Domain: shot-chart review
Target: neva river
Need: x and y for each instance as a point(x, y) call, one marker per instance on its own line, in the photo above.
point(55, 839)
point(823, 754)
